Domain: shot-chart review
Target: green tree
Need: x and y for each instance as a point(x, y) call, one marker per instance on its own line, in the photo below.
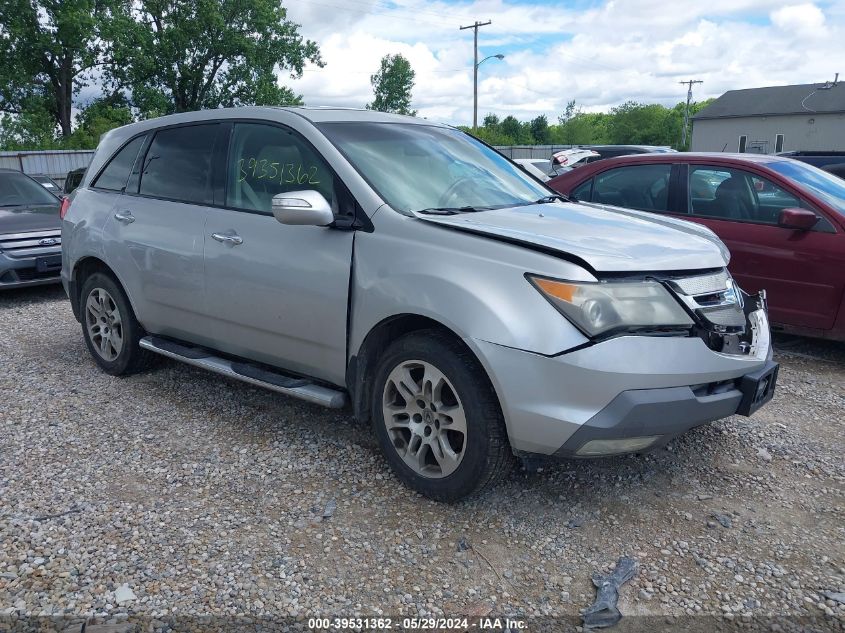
point(491, 121)
point(678, 114)
point(575, 127)
point(46, 49)
point(571, 110)
point(540, 130)
point(183, 55)
point(641, 124)
point(511, 128)
point(100, 116)
point(33, 128)
point(392, 86)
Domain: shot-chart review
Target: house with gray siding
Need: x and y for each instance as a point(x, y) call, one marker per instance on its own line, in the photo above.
point(806, 117)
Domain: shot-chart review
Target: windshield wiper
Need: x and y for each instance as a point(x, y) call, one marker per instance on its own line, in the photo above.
point(450, 210)
point(551, 198)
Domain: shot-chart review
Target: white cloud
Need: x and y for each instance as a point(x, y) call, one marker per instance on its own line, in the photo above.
point(802, 18)
point(601, 56)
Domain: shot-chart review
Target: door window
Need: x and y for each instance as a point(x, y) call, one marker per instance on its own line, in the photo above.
point(734, 194)
point(265, 160)
point(116, 173)
point(582, 191)
point(644, 187)
point(178, 164)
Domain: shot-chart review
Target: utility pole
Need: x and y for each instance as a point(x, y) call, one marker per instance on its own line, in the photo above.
point(474, 27)
point(689, 83)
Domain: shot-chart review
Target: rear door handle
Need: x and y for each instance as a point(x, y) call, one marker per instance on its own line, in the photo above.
point(124, 216)
point(228, 238)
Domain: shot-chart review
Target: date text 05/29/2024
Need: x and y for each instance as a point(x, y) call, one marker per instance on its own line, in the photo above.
point(417, 624)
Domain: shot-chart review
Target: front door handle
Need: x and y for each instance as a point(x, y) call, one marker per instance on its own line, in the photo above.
point(227, 238)
point(124, 216)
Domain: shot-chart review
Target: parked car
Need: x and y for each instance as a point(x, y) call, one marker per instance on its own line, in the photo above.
point(48, 183)
point(831, 162)
point(537, 167)
point(73, 178)
point(401, 265)
point(783, 220)
point(567, 159)
point(612, 151)
point(30, 232)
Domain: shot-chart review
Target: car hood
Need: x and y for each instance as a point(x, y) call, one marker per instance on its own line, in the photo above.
point(29, 218)
point(608, 239)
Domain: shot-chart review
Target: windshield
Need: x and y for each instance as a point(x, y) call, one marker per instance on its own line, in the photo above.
point(17, 190)
point(826, 186)
point(421, 167)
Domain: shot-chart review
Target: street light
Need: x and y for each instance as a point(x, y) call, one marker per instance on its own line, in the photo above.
point(475, 87)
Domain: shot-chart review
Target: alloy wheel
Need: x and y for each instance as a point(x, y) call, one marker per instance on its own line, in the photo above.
point(104, 324)
point(425, 420)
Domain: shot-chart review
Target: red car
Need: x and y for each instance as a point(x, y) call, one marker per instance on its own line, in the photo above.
point(783, 221)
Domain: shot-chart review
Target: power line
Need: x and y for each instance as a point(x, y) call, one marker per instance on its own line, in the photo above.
point(689, 83)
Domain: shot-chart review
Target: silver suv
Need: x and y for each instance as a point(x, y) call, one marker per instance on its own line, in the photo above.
point(401, 266)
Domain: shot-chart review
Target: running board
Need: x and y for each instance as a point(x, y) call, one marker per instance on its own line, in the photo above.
point(253, 374)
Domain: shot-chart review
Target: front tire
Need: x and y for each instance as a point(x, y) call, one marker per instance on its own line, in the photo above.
point(437, 418)
point(110, 328)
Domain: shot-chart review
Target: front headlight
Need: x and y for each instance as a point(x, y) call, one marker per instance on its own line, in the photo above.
point(600, 307)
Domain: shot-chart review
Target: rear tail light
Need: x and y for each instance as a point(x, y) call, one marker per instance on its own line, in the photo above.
point(63, 209)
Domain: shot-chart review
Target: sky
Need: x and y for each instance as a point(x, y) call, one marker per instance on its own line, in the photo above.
point(599, 52)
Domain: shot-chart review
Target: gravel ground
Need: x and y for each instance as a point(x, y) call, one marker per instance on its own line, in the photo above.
point(180, 493)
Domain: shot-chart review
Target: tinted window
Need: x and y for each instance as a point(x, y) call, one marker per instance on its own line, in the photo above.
point(178, 164)
point(73, 179)
point(734, 194)
point(644, 187)
point(17, 190)
point(582, 191)
point(116, 173)
point(266, 160)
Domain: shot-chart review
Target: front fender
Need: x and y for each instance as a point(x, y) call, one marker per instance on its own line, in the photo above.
point(473, 285)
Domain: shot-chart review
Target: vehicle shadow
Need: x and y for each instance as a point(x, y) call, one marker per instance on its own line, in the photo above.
point(804, 347)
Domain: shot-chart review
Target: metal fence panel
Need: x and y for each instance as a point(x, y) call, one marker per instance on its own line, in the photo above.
point(53, 163)
point(530, 151)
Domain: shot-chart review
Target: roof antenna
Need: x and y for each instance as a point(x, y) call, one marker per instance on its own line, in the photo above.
point(828, 84)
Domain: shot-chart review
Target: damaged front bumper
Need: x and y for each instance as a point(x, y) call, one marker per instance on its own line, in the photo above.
point(632, 393)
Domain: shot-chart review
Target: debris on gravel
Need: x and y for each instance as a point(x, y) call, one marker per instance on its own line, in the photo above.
point(603, 612)
point(207, 498)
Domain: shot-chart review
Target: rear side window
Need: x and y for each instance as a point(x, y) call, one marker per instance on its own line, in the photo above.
point(116, 173)
point(644, 187)
point(178, 164)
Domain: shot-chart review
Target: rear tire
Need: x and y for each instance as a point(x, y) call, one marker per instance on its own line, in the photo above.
point(110, 328)
point(437, 418)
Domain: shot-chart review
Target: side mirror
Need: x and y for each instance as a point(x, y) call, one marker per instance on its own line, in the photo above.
point(798, 219)
point(303, 208)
